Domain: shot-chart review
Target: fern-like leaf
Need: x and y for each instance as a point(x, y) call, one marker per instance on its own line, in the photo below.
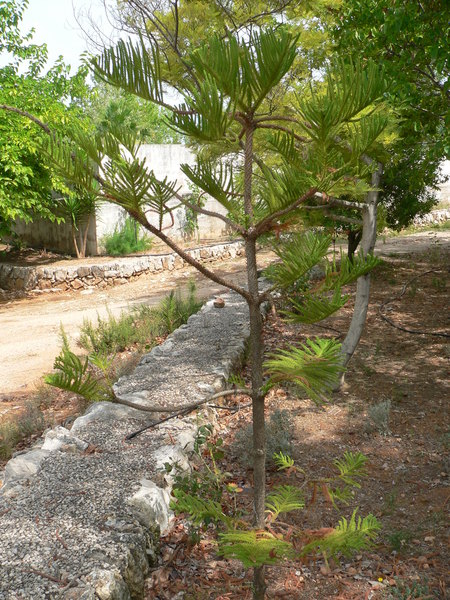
point(313, 308)
point(73, 376)
point(352, 466)
point(254, 548)
point(282, 499)
point(298, 256)
point(283, 461)
point(199, 510)
point(315, 366)
point(348, 537)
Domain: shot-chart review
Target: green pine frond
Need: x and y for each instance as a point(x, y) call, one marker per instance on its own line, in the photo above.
point(314, 308)
point(200, 510)
point(214, 179)
point(282, 499)
point(351, 466)
point(73, 376)
point(245, 72)
point(283, 461)
point(348, 537)
point(348, 270)
point(134, 68)
point(315, 366)
point(299, 254)
point(206, 115)
point(254, 548)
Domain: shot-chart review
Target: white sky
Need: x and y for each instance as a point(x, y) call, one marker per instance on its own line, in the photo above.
point(56, 25)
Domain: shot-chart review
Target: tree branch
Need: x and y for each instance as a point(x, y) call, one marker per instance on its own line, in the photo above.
point(140, 217)
point(181, 412)
point(28, 115)
point(266, 223)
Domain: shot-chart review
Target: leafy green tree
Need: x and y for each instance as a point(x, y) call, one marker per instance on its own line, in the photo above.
point(410, 39)
point(109, 107)
point(26, 181)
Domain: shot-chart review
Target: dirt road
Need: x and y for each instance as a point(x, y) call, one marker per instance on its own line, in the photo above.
point(29, 328)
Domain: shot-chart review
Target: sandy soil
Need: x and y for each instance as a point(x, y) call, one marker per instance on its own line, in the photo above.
point(29, 327)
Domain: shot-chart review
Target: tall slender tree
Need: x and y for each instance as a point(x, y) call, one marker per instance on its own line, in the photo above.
point(315, 150)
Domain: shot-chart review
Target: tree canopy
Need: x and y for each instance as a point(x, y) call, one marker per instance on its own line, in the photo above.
point(55, 97)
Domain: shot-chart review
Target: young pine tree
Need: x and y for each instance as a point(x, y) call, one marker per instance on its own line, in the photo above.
point(275, 161)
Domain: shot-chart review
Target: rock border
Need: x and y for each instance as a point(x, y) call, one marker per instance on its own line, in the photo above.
point(103, 274)
point(81, 512)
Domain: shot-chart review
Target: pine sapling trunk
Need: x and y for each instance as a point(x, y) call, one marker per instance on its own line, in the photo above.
point(256, 358)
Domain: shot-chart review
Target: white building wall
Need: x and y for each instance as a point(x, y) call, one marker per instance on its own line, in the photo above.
point(165, 160)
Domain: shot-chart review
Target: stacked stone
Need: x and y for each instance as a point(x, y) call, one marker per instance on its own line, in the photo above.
point(106, 274)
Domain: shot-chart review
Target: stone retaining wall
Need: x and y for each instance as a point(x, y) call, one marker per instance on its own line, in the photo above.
point(103, 274)
point(435, 217)
point(80, 514)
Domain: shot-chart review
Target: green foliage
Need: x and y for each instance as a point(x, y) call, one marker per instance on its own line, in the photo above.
point(254, 548)
point(175, 310)
point(126, 239)
point(378, 417)
point(348, 537)
point(13, 431)
point(418, 590)
point(283, 461)
point(140, 326)
point(409, 40)
point(204, 496)
point(200, 510)
point(351, 467)
point(110, 108)
point(314, 367)
point(26, 181)
point(298, 255)
point(73, 375)
point(282, 499)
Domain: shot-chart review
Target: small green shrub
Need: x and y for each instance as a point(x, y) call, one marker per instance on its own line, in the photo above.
point(216, 505)
point(416, 590)
point(126, 239)
point(278, 438)
point(31, 421)
point(378, 417)
point(140, 326)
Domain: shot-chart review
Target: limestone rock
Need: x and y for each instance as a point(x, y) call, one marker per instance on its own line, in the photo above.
point(109, 585)
point(151, 505)
point(62, 439)
point(23, 466)
point(107, 411)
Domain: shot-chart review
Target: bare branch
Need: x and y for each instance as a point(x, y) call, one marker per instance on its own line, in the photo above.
point(182, 411)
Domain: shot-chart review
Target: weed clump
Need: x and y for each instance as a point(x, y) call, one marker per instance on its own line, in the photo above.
point(378, 417)
point(141, 326)
point(126, 239)
point(279, 436)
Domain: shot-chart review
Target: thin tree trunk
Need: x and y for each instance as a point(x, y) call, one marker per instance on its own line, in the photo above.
point(256, 357)
point(353, 239)
point(85, 235)
point(369, 236)
point(74, 239)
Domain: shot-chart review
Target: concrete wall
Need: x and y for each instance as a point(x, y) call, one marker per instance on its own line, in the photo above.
point(42, 233)
point(165, 160)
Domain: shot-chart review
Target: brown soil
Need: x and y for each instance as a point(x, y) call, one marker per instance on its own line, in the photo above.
point(407, 484)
